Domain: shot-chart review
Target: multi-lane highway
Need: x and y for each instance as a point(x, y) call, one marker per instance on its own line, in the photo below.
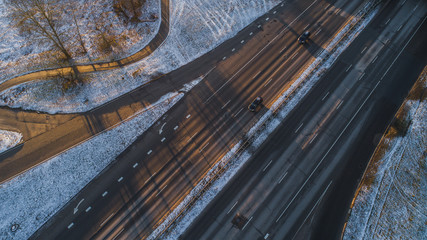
point(300, 184)
point(130, 198)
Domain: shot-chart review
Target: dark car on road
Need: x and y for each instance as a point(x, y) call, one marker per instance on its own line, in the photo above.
point(255, 103)
point(304, 37)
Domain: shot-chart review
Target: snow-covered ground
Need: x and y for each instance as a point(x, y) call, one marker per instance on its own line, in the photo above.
point(18, 54)
point(196, 27)
point(9, 139)
point(30, 199)
point(232, 161)
point(394, 205)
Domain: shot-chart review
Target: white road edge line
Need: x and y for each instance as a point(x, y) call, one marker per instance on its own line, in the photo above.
point(232, 207)
point(404, 47)
point(267, 165)
point(315, 205)
point(324, 156)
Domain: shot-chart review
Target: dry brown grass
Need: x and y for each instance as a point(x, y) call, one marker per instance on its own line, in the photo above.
point(398, 127)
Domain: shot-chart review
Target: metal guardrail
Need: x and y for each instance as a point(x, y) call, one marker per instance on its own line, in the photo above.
point(247, 140)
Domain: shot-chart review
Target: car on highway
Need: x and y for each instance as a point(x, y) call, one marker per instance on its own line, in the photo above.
point(304, 37)
point(255, 103)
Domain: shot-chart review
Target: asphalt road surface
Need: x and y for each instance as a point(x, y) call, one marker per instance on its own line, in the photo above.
point(301, 183)
point(130, 198)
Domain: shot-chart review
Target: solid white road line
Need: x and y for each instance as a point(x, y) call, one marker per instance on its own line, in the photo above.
point(232, 207)
point(299, 127)
point(315, 205)
point(324, 156)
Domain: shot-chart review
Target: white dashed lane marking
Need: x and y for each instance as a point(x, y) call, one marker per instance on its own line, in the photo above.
point(135, 165)
point(88, 209)
point(188, 116)
point(163, 139)
point(71, 225)
point(175, 128)
point(149, 152)
point(104, 194)
point(120, 179)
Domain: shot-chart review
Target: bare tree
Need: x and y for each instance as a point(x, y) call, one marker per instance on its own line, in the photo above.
point(40, 20)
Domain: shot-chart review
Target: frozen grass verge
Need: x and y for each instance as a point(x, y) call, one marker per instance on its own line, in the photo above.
point(30, 199)
point(9, 139)
point(390, 202)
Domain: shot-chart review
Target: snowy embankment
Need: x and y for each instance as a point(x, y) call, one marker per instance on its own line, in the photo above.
point(20, 54)
point(196, 27)
point(206, 190)
point(9, 139)
point(30, 199)
point(394, 204)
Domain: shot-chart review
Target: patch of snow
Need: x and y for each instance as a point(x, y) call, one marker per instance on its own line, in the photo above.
point(9, 139)
point(196, 27)
point(18, 54)
point(394, 205)
point(30, 199)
